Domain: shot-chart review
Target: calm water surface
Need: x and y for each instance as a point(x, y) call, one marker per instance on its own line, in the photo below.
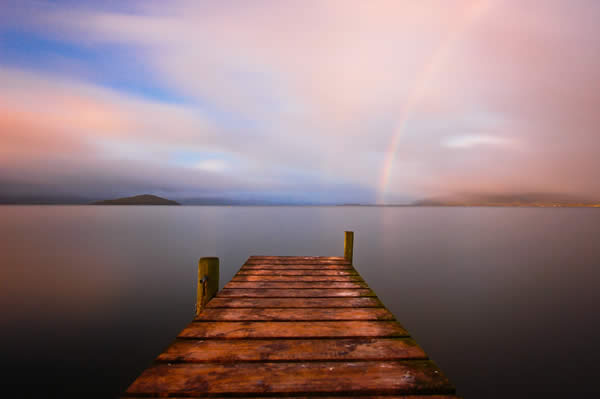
point(504, 300)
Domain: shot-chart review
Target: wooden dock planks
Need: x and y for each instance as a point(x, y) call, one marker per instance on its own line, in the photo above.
point(257, 303)
point(349, 349)
point(294, 327)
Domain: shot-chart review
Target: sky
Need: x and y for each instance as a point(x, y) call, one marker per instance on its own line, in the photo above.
point(345, 101)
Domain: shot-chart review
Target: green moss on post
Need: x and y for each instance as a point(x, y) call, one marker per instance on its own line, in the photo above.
point(208, 281)
point(348, 245)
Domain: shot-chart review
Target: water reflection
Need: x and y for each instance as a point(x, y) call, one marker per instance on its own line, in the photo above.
point(502, 299)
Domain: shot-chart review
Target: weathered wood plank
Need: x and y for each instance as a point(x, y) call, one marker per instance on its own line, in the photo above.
point(316, 261)
point(296, 257)
point(297, 293)
point(390, 377)
point(298, 273)
point(303, 314)
point(293, 329)
point(262, 277)
point(292, 350)
point(294, 285)
point(324, 397)
point(351, 302)
point(296, 262)
point(261, 266)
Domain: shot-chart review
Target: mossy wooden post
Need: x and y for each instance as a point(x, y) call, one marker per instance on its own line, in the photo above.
point(348, 245)
point(208, 281)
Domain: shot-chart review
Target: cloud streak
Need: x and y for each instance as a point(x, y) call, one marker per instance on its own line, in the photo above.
point(303, 99)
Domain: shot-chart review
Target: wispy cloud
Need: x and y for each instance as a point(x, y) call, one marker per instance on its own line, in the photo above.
point(301, 97)
point(475, 140)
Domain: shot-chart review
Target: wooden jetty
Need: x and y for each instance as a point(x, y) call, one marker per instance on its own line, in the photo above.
point(292, 326)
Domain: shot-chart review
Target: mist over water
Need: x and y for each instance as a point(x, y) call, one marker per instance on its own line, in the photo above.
point(504, 300)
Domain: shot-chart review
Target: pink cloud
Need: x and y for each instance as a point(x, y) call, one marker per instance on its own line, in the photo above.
point(324, 86)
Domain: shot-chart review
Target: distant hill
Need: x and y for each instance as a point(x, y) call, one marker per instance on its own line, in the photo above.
point(521, 199)
point(145, 199)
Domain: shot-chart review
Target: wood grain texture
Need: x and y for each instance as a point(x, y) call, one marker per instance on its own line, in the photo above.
point(293, 329)
point(297, 293)
point(304, 314)
point(285, 257)
point(208, 281)
point(262, 277)
point(380, 377)
point(348, 245)
point(351, 302)
point(321, 397)
point(294, 285)
point(298, 261)
point(297, 273)
point(297, 266)
point(292, 350)
point(295, 258)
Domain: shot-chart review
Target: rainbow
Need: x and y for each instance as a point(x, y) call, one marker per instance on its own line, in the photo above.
point(472, 13)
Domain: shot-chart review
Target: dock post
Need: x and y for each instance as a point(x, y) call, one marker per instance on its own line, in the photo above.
point(208, 281)
point(348, 245)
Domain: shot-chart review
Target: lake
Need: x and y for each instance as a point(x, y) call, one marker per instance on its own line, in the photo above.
point(504, 300)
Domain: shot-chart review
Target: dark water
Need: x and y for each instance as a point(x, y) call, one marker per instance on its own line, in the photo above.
point(504, 300)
